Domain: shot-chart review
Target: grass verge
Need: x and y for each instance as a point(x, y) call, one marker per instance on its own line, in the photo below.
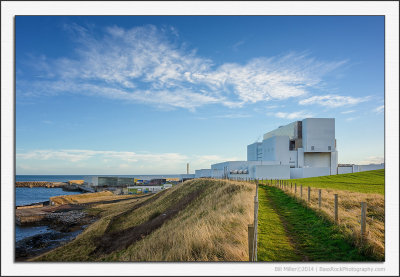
point(315, 238)
point(273, 243)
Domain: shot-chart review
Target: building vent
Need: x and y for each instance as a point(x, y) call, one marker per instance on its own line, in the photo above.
point(329, 148)
point(312, 147)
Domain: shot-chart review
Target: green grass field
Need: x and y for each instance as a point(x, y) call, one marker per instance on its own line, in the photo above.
point(366, 182)
point(299, 231)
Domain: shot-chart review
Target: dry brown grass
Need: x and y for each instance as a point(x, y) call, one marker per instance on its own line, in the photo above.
point(349, 214)
point(88, 198)
point(213, 227)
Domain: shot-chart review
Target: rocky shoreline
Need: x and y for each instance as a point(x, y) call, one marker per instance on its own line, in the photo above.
point(65, 223)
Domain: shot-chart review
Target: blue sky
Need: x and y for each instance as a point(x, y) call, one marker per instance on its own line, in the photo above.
point(147, 94)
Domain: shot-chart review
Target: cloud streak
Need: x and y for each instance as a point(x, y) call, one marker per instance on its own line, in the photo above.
point(333, 101)
point(293, 115)
point(73, 158)
point(145, 65)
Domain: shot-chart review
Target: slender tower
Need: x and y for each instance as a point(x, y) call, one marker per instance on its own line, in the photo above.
point(187, 168)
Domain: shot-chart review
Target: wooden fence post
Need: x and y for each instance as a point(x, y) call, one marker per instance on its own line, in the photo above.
point(363, 220)
point(250, 229)
point(319, 198)
point(309, 192)
point(291, 186)
point(336, 209)
point(301, 191)
point(295, 188)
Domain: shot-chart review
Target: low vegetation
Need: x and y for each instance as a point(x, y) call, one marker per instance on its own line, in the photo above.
point(365, 182)
point(212, 226)
point(310, 237)
point(88, 198)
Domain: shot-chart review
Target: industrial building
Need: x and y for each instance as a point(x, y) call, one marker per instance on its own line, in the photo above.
point(300, 149)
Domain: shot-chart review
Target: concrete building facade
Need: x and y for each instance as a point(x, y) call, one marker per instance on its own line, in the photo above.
point(300, 149)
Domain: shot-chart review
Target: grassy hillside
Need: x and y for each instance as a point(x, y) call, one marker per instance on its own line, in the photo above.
point(199, 220)
point(366, 182)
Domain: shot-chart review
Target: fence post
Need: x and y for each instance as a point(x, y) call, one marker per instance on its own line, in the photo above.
point(255, 226)
point(301, 191)
point(309, 191)
point(336, 209)
point(250, 229)
point(295, 188)
point(291, 186)
point(363, 220)
point(319, 198)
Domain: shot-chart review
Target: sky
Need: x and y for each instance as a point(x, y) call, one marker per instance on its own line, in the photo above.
point(148, 94)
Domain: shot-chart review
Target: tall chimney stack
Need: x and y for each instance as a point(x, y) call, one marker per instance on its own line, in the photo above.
point(187, 168)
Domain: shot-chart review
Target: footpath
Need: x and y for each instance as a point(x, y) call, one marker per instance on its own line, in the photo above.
point(289, 231)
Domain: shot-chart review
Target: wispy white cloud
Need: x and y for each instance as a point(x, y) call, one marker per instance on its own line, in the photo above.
point(293, 115)
point(74, 158)
point(347, 112)
point(144, 64)
point(379, 109)
point(77, 155)
point(333, 101)
point(351, 118)
point(233, 115)
point(235, 47)
point(373, 160)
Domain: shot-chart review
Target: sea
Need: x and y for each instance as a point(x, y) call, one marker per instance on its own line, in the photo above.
point(25, 196)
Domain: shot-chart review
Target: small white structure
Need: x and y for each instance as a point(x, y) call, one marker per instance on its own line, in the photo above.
point(352, 168)
point(141, 189)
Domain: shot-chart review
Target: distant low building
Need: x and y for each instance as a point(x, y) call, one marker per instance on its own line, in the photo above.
point(144, 189)
point(112, 181)
point(157, 182)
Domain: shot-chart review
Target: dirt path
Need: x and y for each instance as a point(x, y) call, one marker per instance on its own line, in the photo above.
point(119, 240)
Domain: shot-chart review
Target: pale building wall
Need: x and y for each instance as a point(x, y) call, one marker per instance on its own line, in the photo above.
point(334, 163)
point(276, 149)
point(318, 134)
point(293, 158)
point(300, 157)
point(306, 172)
point(271, 172)
point(254, 151)
point(202, 173)
point(317, 160)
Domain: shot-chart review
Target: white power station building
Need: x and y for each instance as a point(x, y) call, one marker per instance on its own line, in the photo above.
point(300, 149)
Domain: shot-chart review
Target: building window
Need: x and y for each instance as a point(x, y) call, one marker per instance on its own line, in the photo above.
point(329, 148)
point(312, 147)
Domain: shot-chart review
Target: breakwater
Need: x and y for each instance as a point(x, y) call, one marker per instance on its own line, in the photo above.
point(43, 184)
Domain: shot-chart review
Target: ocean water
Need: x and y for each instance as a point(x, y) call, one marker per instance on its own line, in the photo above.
point(87, 178)
point(25, 196)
